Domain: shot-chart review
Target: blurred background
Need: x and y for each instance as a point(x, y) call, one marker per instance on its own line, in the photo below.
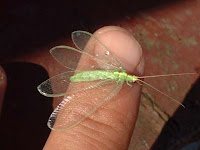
point(169, 33)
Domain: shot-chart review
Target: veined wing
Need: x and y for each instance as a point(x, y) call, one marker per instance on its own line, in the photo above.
point(91, 45)
point(66, 56)
point(78, 106)
point(57, 85)
point(69, 57)
point(87, 44)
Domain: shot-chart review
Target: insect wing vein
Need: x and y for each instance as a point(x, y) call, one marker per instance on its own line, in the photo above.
point(88, 42)
point(69, 56)
point(56, 86)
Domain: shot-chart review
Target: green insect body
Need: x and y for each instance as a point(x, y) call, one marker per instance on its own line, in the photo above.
point(102, 75)
point(107, 76)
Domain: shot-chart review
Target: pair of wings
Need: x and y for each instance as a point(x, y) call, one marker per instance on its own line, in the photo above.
point(83, 98)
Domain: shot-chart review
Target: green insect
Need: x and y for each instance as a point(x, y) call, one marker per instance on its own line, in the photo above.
point(89, 87)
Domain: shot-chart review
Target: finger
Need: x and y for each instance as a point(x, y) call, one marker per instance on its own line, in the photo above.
point(111, 126)
point(3, 83)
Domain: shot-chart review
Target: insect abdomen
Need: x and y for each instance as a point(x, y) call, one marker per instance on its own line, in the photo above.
point(92, 76)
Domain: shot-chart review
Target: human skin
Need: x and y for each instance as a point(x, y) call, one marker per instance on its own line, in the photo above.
point(111, 126)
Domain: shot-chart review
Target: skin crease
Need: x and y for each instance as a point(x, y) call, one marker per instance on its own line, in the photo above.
point(111, 126)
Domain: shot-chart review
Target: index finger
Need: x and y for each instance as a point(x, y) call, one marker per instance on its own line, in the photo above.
point(111, 126)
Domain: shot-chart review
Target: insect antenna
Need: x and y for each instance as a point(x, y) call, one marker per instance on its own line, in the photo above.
point(161, 92)
point(166, 75)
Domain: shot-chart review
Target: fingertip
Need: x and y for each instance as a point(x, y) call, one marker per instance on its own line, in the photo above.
point(124, 46)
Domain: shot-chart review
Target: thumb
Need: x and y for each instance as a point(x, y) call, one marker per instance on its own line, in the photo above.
point(111, 126)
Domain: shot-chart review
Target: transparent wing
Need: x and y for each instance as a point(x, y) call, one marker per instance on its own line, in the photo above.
point(94, 47)
point(56, 86)
point(78, 106)
point(90, 49)
point(69, 57)
point(66, 56)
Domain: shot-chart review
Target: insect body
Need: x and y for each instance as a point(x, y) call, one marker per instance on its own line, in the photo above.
point(103, 75)
point(92, 85)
